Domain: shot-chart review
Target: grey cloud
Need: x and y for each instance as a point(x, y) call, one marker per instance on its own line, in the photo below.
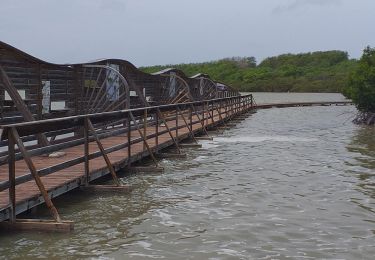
point(113, 5)
point(297, 4)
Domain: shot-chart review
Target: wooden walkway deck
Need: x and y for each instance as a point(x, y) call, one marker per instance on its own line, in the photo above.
point(74, 174)
point(28, 194)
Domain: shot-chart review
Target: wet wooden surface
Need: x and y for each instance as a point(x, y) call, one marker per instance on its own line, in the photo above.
point(29, 189)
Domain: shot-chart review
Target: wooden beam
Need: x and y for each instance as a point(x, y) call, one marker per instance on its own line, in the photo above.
point(190, 145)
point(171, 155)
point(146, 169)
point(37, 225)
point(107, 188)
point(207, 138)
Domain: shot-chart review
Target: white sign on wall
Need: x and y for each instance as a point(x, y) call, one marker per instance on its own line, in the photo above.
point(46, 92)
point(172, 84)
point(113, 83)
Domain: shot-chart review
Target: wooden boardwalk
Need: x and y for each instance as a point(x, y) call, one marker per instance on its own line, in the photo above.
point(73, 174)
point(28, 195)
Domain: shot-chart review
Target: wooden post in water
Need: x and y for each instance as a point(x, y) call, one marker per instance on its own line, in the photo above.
point(86, 150)
point(129, 140)
point(12, 177)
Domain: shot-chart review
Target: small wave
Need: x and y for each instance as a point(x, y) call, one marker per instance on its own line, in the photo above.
point(258, 139)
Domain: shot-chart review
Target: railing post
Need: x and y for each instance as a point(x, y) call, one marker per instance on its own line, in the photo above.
point(86, 150)
point(12, 177)
point(203, 117)
point(129, 140)
point(157, 130)
point(176, 123)
point(145, 127)
point(226, 108)
point(191, 117)
point(207, 111)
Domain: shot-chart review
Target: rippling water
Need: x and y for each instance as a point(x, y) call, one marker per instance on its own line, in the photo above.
point(291, 183)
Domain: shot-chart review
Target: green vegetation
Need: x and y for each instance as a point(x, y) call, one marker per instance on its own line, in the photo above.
point(361, 87)
point(307, 72)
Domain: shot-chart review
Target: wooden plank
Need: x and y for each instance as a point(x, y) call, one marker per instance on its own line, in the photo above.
point(37, 225)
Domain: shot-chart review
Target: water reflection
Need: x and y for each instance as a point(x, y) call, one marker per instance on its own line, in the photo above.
point(363, 165)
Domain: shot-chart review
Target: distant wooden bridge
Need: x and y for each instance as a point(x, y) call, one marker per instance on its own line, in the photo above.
point(112, 115)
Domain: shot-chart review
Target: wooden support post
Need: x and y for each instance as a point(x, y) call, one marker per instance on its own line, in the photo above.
point(187, 125)
point(157, 129)
point(191, 118)
point(220, 117)
point(176, 114)
point(145, 126)
point(144, 140)
point(12, 178)
point(203, 114)
point(208, 112)
point(129, 140)
point(199, 118)
point(226, 110)
point(34, 172)
point(87, 151)
point(104, 154)
point(168, 129)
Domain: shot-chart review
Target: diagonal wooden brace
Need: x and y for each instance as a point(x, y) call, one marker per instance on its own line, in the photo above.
point(187, 125)
point(199, 118)
point(144, 139)
point(34, 173)
point(169, 131)
point(105, 156)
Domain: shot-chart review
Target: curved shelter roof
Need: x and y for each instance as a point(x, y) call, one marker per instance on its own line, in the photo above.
point(52, 90)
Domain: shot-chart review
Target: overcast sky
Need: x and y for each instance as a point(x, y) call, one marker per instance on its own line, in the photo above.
point(148, 32)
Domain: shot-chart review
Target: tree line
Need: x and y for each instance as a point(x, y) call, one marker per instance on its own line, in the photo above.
point(327, 71)
point(322, 71)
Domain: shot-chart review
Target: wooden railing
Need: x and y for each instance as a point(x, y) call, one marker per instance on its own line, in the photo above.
point(20, 143)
